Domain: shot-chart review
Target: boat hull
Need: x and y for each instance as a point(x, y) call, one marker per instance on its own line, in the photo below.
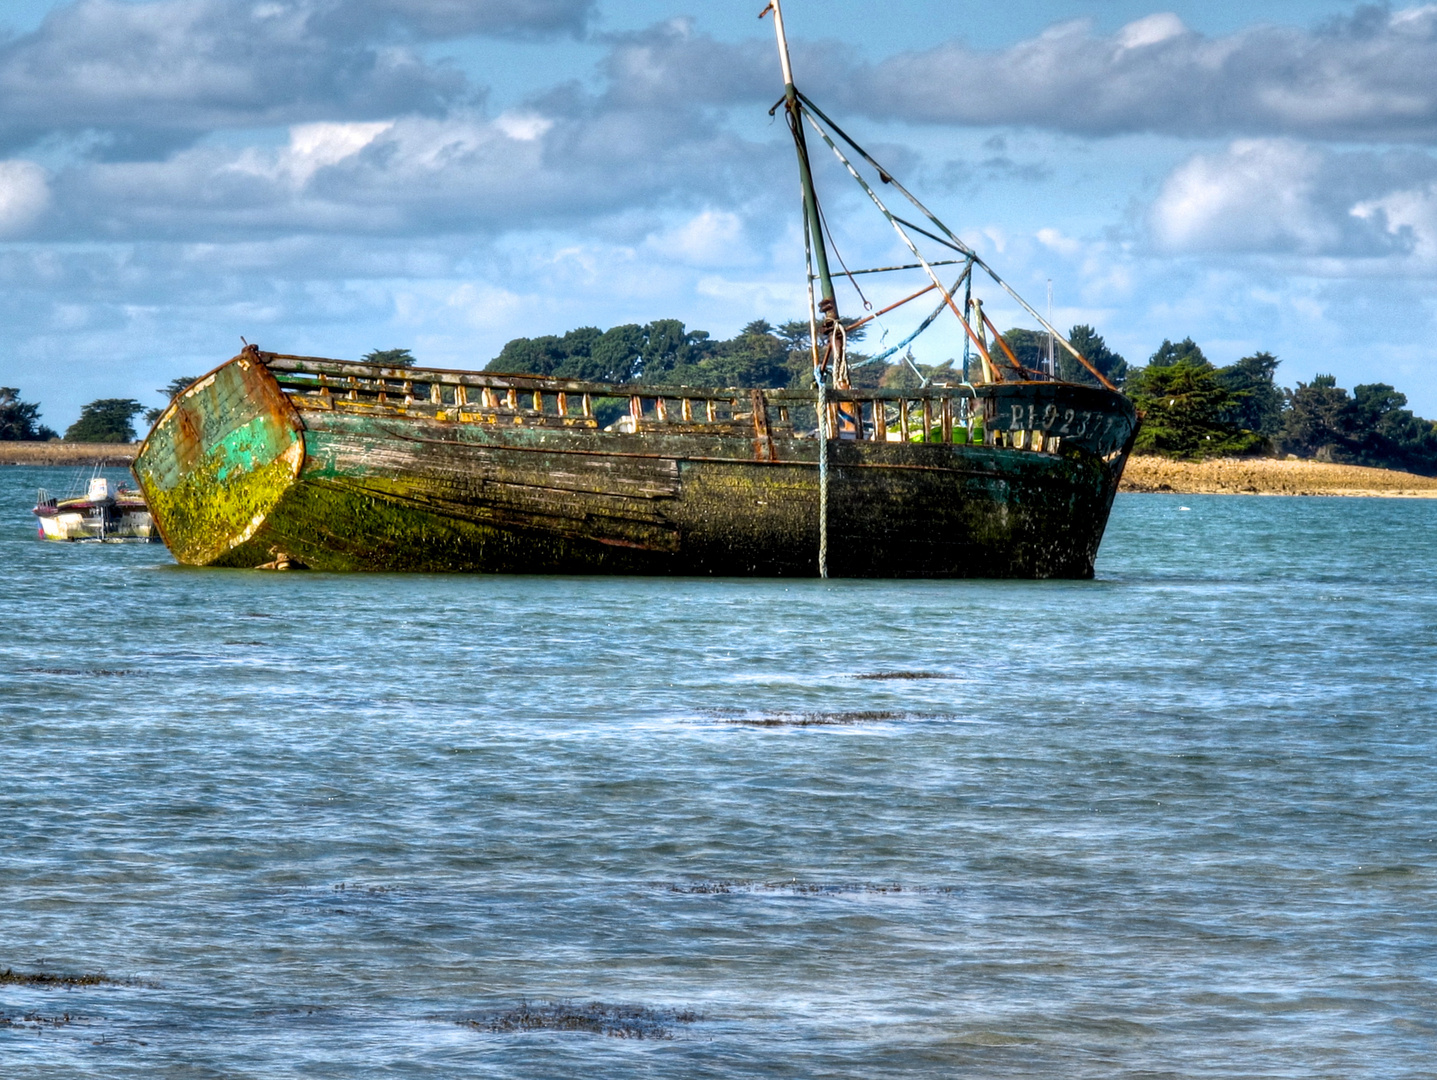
point(406, 486)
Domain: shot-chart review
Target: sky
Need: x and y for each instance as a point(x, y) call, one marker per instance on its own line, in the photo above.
point(328, 177)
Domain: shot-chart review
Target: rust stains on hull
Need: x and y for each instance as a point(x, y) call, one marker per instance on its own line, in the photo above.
point(345, 467)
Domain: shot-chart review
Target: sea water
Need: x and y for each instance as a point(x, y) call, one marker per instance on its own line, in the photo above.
point(1180, 820)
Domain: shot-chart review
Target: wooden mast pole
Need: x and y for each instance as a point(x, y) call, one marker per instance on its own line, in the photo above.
point(813, 235)
point(812, 222)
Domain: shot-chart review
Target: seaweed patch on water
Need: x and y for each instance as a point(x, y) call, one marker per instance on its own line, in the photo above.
point(35, 1021)
point(594, 1018)
point(121, 673)
point(357, 889)
point(904, 675)
point(794, 887)
point(813, 719)
point(246, 642)
point(48, 980)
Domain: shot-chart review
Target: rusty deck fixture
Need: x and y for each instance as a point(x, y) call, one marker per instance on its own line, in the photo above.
point(347, 466)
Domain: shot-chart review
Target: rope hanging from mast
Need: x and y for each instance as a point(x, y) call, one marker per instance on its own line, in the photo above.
point(833, 357)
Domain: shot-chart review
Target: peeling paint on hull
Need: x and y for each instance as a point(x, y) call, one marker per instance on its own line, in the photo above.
point(238, 470)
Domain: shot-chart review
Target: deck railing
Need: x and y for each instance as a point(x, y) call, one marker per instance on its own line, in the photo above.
point(943, 414)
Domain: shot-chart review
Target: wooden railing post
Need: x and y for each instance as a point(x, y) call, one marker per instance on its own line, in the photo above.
point(762, 439)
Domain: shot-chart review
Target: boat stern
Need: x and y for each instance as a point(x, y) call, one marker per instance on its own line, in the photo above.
point(218, 461)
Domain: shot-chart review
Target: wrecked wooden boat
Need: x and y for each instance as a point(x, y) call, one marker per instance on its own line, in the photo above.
point(1007, 471)
point(344, 466)
point(101, 514)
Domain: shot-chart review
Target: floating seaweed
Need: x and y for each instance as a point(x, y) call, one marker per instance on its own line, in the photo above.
point(814, 719)
point(37, 1021)
point(84, 672)
point(904, 675)
point(366, 890)
point(594, 1018)
point(11, 977)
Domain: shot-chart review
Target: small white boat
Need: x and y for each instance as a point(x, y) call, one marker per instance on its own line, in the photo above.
point(102, 514)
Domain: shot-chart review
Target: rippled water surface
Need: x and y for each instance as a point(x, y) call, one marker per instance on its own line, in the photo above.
point(1178, 821)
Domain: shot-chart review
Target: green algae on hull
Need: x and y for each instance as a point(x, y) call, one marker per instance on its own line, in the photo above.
point(342, 466)
point(219, 460)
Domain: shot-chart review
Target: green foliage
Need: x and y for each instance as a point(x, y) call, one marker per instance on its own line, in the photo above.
point(20, 420)
point(755, 357)
point(1183, 406)
point(1169, 354)
point(108, 420)
point(1258, 401)
point(175, 388)
point(1369, 428)
point(1095, 350)
point(588, 353)
point(396, 358)
point(1030, 348)
point(664, 352)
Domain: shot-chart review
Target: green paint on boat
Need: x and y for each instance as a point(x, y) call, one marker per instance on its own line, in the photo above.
point(219, 460)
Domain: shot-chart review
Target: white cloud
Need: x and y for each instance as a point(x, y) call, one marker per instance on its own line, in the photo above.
point(1409, 213)
point(1054, 240)
point(1339, 213)
point(1366, 78)
point(523, 125)
point(160, 72)
point(1150, 30)
point(1256, 194)
point(24, 195)
point(311, 147)
point(710, 238)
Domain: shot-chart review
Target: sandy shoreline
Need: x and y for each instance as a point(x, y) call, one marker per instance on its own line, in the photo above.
point(1266, 476)
point(1222, 476)
point(63, 453)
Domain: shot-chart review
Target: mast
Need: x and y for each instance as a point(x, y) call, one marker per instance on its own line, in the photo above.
point(812, 223)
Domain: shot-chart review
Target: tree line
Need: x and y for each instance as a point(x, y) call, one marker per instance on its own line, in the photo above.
point(1191, 408)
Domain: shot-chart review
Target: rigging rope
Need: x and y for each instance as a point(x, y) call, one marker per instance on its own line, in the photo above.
point(821, 413)
point(924, 325)
point(822, 475)
point(813, 110)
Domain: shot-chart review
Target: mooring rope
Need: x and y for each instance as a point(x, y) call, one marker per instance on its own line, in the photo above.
point(822, 474)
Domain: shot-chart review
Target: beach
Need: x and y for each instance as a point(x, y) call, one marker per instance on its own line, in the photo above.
point(65, 453)
point(1269, 476)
